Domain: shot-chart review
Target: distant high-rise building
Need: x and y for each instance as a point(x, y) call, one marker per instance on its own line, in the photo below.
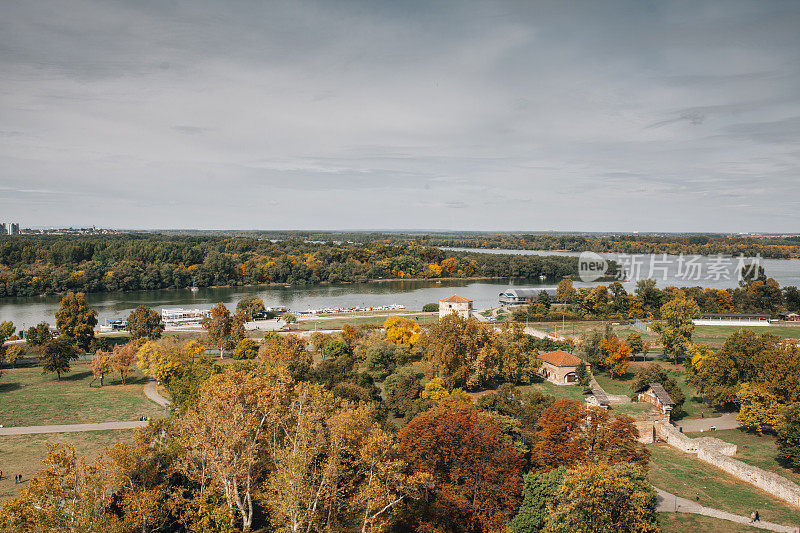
point(2, 228)
point(13, 228)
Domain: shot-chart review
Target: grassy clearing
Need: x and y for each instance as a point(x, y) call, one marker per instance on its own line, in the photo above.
point(22, 454)
point(683, 522)
point(637, 411)
point(571, 392)
point(754, 449)
point(30, 398)
point(683, 474)
point(621, 385)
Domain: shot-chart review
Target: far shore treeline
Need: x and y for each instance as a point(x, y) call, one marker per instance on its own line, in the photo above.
point(39, 265)
point(777, 247)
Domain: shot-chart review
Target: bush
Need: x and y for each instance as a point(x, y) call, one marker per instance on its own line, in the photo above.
point(383, 357)
point(246, 349)
point(430, 308)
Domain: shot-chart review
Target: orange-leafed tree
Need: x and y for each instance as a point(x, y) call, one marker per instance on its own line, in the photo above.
point(476, 476)
point(570, 433)
point(615, 355)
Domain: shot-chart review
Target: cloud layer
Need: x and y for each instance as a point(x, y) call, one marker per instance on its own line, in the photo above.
point(594, 116)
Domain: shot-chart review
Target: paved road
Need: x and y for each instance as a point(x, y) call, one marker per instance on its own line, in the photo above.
point(151, 391)
point(667, 502)
point(726, 421)
point(70, 428)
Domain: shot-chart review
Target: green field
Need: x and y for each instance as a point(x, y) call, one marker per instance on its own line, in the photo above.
point(311, 324)
point(30, 398)
point(683, 474)
point(757, 450)
point(683, 522)
point(571, 392)
point(22, 454)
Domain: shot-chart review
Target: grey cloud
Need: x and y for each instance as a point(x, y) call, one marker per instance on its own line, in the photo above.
point(612, 115)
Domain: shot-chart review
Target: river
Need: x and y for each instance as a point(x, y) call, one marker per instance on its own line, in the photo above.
point(25, 312)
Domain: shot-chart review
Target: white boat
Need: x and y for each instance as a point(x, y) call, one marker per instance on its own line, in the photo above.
point(194, 289)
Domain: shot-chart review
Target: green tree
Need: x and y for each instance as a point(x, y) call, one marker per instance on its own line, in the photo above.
point(604, 499)
point(676, 326)
point(145, 323)
point(246, 349)
point(38, 335)
point(789, 436)
point(565, 293)
point(74, 319)
point(251, 306)
point(57, 355)
point(655, 373)
point(538, 492)
point(634, 340)
point(224, 330)
point(430, 308)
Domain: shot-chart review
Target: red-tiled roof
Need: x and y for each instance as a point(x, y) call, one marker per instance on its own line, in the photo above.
point(560, 358)
point(455, 299)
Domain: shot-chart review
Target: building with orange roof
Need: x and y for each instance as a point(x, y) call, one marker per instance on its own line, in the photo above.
point(560, 367)
point(455, 304)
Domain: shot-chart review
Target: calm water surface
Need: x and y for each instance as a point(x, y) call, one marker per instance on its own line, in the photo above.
point(25, 312)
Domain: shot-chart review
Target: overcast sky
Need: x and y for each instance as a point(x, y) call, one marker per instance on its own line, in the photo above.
point(564, 115)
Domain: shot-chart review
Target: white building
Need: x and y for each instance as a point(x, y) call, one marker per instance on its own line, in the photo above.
point(177, 317)
point(455, 304)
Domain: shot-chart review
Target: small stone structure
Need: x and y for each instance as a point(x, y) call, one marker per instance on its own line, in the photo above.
point(598, 398)
point(718, 453)
point(455, 304)
point(560, 367)
point(656, 395)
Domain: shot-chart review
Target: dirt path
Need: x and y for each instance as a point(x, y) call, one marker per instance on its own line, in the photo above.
point(70, 428)
point(726, 421)
point(667, 502)
point(151, 391)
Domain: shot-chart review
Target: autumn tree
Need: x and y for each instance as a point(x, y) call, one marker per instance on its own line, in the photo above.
point(101, 366)
point(123, 358)
point(228, 430)
point(634, 340)
point(13, 353)
point(759, 408)
point(284, 350)
point(164, 358)
point(145, 323)
point(565, 293)
point(604, 498)
point(475, 474)
point(224, 330)
point(453, 345)
point(38, 335)
point(66, 494)
point(402, 331)
point(788, 432)
point(57, 355)
point(74, 319)
point(246, 349)
point(741, 359)
point(251, 306)
point(570, 433)
point(676, 326)
point(615, 356)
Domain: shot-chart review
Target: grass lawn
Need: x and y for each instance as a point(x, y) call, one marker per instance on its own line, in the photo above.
point(635, 410)
point(310, 324)
point(754, 449)
point(571, 392)
point(21, 454)
point(683, 474)
point(30, 398)
point(683, 522)
point(619, 386)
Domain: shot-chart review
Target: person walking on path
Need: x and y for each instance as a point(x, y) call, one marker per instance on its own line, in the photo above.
point(757, 519)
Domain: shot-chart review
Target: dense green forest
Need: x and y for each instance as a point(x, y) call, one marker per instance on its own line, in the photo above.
point(34, 265)
point(774, 247)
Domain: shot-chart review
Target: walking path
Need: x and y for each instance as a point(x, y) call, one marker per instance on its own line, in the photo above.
point(614, 399)
point(151, 391)
point(726, 421)
point(70, 428)
point(667, 502)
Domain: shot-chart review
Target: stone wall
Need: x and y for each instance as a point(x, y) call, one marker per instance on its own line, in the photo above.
point(717, 453)
point(774, 484)
point(646, 431)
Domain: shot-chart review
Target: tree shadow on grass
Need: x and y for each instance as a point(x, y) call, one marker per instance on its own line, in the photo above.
point(8, 387)
point(77, 376)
